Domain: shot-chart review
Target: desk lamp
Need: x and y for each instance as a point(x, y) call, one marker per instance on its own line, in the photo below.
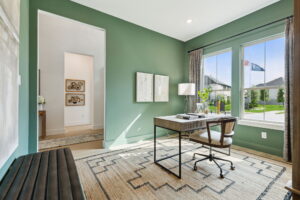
point(186, 89)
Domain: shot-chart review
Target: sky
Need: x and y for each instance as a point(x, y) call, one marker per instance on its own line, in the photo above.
point(219, 67)
point(268, 55)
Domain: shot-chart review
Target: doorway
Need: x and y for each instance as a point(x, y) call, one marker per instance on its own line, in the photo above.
point(71, 63)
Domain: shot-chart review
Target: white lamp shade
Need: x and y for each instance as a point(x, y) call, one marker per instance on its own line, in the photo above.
point(186, 89)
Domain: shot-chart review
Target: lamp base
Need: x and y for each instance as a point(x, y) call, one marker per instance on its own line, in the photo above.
point(186, 108)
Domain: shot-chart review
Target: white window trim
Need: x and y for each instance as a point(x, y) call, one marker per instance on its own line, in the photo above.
point(262, 124)
point(264, 39)
point(248, 122)
point(217, 52)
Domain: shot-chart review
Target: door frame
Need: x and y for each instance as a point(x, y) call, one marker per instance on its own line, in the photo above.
point(37, 68)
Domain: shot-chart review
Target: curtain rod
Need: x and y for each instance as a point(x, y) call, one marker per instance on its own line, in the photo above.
point(242, 33)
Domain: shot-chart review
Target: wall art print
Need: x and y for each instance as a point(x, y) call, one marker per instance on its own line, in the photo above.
point(74, 99)
point(73, 85)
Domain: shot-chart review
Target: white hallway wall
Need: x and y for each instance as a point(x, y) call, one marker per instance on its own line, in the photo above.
point(80, 67)
point(58, 35)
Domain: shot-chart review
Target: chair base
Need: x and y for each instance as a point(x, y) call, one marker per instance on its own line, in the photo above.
point(212, 158)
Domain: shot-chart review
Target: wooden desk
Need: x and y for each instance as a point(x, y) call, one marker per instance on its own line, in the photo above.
point(180, 125)
point(42, 117)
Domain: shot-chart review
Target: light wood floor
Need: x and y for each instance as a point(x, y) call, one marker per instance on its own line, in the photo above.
point(261, 154)
point(73, 131)
point(76, 131)
point(95, 145)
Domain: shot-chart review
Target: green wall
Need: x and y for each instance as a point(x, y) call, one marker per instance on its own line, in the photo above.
point(24, 88)
point(130, 49)
point(246, 136)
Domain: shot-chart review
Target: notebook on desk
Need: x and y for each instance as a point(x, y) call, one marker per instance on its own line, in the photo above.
point(190, 116)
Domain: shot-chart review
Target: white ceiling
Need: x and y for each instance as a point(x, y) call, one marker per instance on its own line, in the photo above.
point(169, 17)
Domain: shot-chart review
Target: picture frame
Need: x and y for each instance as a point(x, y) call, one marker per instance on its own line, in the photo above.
point(161, 88)
point(144, 87)
point(75, 99)
point(75, 85)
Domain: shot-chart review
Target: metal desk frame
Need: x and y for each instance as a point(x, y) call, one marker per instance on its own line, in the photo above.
point(179, 151)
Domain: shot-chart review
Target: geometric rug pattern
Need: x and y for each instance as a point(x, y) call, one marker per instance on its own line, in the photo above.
point(129, 173)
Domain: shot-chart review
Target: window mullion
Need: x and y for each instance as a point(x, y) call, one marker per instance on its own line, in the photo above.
point(265, 66)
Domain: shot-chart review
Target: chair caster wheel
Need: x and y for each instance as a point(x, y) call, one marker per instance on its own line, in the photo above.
point(221, 176)
point(193, 158)
point(195, 168)
point(232, 167)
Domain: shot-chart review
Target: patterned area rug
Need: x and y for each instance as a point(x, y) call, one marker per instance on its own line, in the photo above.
point(130, 173)
point(77, 139)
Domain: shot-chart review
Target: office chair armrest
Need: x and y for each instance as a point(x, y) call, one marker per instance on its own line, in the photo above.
point(208, 124)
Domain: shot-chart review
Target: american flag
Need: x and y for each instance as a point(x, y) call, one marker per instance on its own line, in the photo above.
point(246, 63)
point(254, 67)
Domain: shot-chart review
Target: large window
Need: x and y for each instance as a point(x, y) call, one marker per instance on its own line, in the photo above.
point(217, 77)
point(263, 80)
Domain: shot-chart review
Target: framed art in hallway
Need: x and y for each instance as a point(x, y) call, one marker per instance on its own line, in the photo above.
point(73, 99)
point(74, 85)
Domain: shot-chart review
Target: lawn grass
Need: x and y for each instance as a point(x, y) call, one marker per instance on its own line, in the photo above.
point(227, 107)
point(259, 109)
point(266, 108)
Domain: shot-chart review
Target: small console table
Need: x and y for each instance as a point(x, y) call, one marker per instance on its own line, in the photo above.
point(42, 117)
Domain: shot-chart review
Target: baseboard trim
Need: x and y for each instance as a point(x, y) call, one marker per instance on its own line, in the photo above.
point(96, 127)
point(76, 124)
point(55, 131)
point(258, 147)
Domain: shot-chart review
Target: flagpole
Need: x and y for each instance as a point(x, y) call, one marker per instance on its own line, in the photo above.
point(250, 83)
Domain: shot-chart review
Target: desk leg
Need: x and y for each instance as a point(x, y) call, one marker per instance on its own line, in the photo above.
point(154, 143)
point(161, 159)
point(44, 126)
point(179, 137)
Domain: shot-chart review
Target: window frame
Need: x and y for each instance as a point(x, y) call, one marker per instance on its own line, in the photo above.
point(244, 121)
point(215, 53)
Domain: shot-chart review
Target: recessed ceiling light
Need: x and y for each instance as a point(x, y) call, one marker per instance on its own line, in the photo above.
point(189, 21)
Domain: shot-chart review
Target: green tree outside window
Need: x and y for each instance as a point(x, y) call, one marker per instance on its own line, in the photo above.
point(280, 96)
point(264, 95)
point(254, 99)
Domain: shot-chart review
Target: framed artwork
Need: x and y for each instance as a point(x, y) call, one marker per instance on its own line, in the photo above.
point(161, 88)
point(73, 85)
point(73, 99)
point(144, 87)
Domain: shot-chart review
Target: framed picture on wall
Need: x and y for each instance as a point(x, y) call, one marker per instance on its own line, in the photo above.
point(144, 87)
point(73, 85)
point(161, 88)
point(73, 99)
